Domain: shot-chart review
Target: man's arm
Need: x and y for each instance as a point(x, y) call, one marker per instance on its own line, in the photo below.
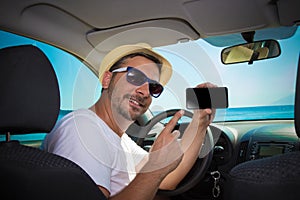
point(191, 144)
point(143, 187)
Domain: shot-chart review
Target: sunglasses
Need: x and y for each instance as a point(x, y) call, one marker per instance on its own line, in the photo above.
point(137, 78)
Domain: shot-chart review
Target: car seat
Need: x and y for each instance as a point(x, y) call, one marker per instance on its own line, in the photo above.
point(30, 103)
point(276, 177)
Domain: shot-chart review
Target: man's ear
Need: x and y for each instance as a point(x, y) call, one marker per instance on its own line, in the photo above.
point(106, 79)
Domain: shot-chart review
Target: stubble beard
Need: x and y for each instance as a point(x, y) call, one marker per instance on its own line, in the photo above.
point(121, 107)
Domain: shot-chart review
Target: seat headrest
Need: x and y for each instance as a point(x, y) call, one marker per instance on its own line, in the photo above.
point(30, 98)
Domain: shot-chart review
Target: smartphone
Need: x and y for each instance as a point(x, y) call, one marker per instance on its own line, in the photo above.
point(201, 98)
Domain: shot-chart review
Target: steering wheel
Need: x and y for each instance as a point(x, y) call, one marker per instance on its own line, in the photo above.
point(202, 163)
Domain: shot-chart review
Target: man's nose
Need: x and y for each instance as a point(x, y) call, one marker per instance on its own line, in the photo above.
point(143, 89)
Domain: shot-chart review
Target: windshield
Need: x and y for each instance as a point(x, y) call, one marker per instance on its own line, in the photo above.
point(262, 90)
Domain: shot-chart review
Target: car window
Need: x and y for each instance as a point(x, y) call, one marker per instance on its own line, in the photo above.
point(263, 90)
point(79, 87)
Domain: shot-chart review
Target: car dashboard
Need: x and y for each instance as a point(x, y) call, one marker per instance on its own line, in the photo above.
point(236, 142)
point(245, 141)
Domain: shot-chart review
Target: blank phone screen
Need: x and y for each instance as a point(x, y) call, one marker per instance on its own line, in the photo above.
point(201, 98)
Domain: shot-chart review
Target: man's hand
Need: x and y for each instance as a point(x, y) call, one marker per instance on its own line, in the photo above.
point(166, 153)
point(203, 117)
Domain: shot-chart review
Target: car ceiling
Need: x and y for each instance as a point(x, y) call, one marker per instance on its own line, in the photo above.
point(90, 28)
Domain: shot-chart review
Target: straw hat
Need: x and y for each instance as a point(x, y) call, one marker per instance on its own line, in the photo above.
point(121, 51)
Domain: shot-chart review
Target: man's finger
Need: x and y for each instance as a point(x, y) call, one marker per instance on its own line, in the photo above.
point(176, 133)
point(172, 123)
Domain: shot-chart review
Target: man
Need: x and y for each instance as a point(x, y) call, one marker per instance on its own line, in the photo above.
point(95, 138)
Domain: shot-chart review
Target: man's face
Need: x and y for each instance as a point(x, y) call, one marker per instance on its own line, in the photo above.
point(128, 100)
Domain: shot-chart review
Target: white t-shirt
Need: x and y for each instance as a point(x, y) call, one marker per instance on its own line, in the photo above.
point(84, 138)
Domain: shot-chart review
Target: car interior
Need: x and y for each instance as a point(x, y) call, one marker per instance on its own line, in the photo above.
point(242, 158)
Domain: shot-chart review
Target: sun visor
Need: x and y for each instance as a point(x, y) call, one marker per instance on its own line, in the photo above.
point(288, 12)
point(154, 32)
point(278, 33)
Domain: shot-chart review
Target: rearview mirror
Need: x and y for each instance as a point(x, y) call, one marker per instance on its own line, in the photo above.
point(250, 52)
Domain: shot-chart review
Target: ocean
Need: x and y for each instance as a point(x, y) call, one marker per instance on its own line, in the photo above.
point(251, 113)
point(255, 113)
point(229, 114)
